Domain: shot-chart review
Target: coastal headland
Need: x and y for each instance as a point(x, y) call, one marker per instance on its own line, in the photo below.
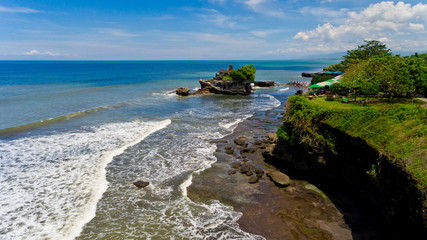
point(326, 198)
point(240, 178)
point(348, 165)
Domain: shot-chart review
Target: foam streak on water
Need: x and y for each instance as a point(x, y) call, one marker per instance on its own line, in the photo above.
point(50, 185)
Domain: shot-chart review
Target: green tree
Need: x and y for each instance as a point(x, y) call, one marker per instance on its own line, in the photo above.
point(335, 68)
point(388, 74)
point(422, 56)
point(372, 48)
point(359, 77)
point(245, 73)
point(417, 67)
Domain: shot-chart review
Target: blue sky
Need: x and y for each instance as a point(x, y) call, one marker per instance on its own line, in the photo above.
point(204, 29)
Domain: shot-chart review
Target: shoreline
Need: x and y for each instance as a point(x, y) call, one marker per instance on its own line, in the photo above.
point(300, 210)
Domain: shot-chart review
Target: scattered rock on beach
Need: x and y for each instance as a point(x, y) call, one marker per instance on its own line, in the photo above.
point(279, 178)
point(245, 150)
point(231, 171)
point(253, 180)
point(240, 141)
point(236, 165)
point(141, 184)
point(258, 170)
point(244, 169)
point(229, 151)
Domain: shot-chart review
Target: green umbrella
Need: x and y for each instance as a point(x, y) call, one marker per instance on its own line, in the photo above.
point(326, 83)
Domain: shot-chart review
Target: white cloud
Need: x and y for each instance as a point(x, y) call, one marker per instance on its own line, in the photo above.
point(38, 53)
point(416, 26)
point(381, 20)
point(115, 32)
point(264, 33)
point(217, 18)
point(17, 10)
point(324, 12)
point(265, 7)
point(280, 51)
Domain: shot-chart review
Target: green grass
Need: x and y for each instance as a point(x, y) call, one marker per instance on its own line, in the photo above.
point(396, 130)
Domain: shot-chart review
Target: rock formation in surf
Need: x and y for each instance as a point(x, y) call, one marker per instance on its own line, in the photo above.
point(230, 81)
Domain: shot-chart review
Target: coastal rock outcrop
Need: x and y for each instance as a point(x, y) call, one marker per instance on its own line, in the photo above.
point(182, 91)
point(229, 82)
point(264, 83)
point(226, 87)
point(306, 74)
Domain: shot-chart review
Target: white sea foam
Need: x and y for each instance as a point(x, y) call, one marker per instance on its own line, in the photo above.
point(233, 124)
point(50, 185)
point(185, 185)
point(284, 89)
point(271, 103)
point(168, 93)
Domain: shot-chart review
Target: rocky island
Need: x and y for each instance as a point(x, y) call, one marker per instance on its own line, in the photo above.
point(229, 82)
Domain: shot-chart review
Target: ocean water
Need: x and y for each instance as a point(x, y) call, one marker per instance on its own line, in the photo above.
point(74, 135)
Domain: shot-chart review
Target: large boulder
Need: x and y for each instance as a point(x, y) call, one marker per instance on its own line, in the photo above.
point(280, 178)
point(141, 184)
point(182, 91)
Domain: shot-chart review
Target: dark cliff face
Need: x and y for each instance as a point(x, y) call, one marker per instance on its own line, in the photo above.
point(226, 87)
point(358, 172)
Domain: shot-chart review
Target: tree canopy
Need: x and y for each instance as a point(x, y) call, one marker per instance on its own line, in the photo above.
point(371, 48)
point(245, 73)
point(392, 75)
point(372, 68)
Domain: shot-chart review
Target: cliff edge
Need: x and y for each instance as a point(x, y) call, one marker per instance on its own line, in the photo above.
point(375, 154)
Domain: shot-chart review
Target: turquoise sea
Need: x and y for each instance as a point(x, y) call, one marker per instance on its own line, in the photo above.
point(74, 135)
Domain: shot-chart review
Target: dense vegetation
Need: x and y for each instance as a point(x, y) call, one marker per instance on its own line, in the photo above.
point(398, 131)
point(243, 74)
point(395, 128)
point(369, 50)
point(372, 70)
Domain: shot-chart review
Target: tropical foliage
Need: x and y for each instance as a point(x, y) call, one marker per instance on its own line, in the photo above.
point(370, 49)
point(245, 73)
point(372, 69)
